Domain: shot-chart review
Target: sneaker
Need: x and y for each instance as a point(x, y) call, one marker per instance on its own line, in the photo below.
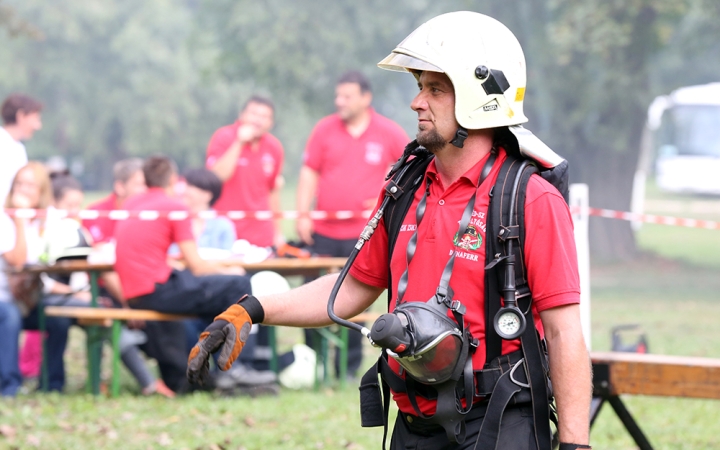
point(160, 388)
point(242, 375)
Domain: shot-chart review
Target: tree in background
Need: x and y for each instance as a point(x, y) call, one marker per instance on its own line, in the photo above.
point(127, 77)
point(118, 78)
point(14, 25)
point(596, 66)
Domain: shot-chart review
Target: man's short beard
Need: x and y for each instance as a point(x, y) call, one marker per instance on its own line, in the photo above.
point(431, 140)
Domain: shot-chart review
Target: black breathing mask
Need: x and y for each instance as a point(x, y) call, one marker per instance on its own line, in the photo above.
point(422, 339)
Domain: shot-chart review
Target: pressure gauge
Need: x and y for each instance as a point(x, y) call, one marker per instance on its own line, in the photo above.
point(509, 323)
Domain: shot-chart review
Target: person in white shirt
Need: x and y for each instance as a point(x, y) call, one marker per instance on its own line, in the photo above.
point(21, 116)
point(22, 242)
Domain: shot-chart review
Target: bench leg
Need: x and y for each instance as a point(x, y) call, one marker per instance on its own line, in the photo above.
point(94, 288)
point(343, 347)
point(94, 341)
point(595, 407)
point(272, 343)
point(630, 425)
point(315, 344)
point(94, 352)
point(115, 384)
point(324, 349)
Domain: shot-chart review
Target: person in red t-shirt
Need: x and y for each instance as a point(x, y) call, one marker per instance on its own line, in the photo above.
point(470, 71)
point(128, 182)
point(346, 158)
point(249, 161)
point(204, 289)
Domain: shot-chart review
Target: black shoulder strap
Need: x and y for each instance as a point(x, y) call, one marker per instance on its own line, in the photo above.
point(401, 189)
point(499, 214)
point(499, 231)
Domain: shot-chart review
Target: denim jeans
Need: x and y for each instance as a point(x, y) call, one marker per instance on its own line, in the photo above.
point(55, 343)
point(10, 324)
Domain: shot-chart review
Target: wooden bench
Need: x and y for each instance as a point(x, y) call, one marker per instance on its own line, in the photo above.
point(617, 373)
point(105, 317)
point(113, 318)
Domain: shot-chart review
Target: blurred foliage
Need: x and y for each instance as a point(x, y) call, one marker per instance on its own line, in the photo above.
point(131, 77)
point(16, 26)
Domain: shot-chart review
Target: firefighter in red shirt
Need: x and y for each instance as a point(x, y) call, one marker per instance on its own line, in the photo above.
point(470, 71)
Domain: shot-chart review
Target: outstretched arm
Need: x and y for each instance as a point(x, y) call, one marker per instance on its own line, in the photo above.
point(306, 306)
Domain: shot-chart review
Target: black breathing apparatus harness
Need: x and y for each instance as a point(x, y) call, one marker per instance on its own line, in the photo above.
point(431, 341)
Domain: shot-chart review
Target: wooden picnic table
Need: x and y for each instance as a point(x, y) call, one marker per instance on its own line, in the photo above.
point(315, 266)
point(283, 266)
point(617, 373)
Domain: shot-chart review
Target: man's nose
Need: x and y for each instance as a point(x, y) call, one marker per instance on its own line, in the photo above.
point(419, 103)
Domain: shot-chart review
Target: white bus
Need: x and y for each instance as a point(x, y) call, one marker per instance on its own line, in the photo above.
point(685, 136)
point(681, 144)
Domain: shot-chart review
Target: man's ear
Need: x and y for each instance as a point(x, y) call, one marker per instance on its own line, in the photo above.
point(119, 189)
point(367, 98)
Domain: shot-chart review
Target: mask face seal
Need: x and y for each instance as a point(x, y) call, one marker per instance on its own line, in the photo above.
point(436, 343)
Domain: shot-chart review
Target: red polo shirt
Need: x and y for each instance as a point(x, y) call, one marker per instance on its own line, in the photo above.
point(102, 229)
point(550, 254)
point(249, 187)
point(142, 245)
point(351, 170)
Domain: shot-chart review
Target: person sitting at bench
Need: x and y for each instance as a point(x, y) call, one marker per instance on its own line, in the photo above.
point(21, 242)
point(68, 196)
point(204, 289)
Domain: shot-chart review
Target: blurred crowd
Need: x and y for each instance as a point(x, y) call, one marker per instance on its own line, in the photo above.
point(176, 266)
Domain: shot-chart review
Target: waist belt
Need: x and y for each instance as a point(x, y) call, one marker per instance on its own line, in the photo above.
point(485, 379)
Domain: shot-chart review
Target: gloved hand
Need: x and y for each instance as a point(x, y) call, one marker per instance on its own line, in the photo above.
point(228, 333)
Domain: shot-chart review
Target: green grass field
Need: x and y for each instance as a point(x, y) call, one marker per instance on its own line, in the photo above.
point(672, 292)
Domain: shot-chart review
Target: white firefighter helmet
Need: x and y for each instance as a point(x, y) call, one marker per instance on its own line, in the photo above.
point(482, 58)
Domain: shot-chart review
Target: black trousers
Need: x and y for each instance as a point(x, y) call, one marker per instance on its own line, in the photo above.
point(516, 433)
point(203, 296)
point(325, 246)
point(185, 293)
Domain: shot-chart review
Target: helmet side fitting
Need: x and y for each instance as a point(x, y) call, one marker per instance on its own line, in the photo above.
point(481, 57)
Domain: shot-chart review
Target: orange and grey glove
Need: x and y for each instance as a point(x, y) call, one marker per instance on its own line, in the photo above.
point(228, 333)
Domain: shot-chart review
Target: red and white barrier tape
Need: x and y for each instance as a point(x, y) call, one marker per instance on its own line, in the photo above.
point(90, 214)
point(651, 218)
point(121, 214)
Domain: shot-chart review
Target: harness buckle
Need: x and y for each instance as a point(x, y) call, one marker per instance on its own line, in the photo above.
point(458, 307)
point(512, 375)
point(498, 259)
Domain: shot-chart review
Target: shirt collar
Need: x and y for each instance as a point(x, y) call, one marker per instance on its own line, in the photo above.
point(472, 175)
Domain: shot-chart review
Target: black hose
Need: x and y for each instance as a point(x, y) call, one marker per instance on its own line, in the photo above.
point(396, 174)
point(336, 289)
point(364, 237)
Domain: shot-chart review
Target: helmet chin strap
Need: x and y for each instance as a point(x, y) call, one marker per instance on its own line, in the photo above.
point(460, 135)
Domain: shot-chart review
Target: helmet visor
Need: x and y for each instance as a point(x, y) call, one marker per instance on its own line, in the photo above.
point(435, 362)
point(401, 62)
